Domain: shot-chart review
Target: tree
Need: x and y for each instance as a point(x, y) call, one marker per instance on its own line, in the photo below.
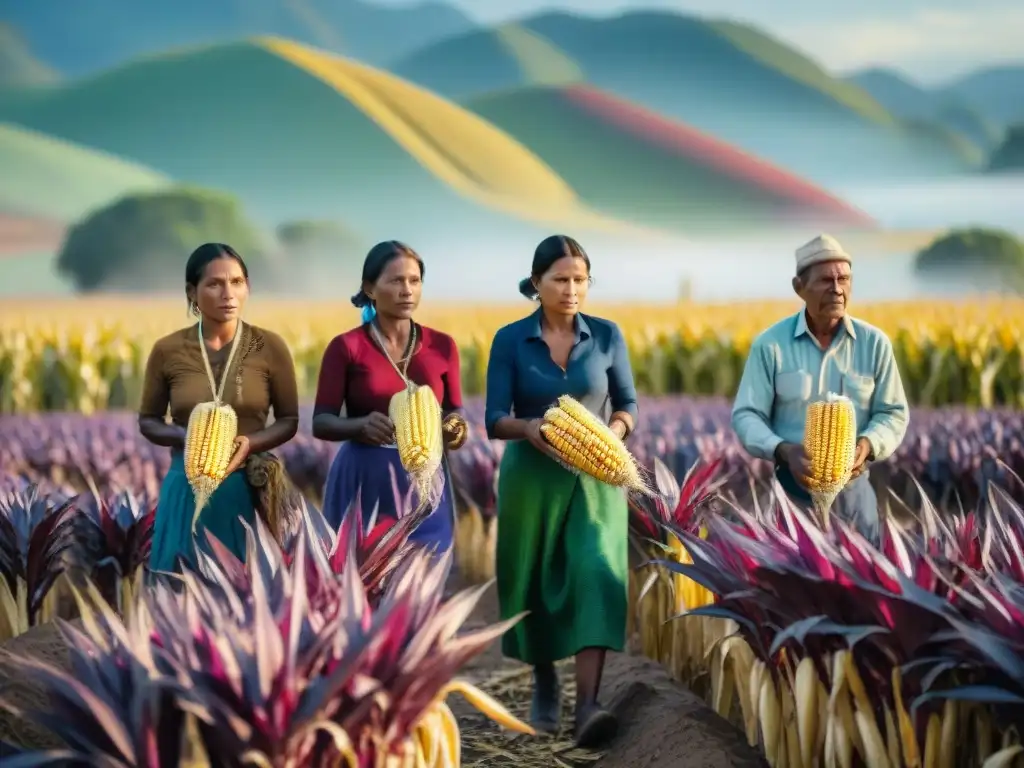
point(141, 241)
point(988, 258)
point(1010, 154)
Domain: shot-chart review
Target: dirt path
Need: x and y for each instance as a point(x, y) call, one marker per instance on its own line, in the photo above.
point(662, 725)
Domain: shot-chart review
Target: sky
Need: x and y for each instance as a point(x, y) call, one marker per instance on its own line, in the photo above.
point(933, 41)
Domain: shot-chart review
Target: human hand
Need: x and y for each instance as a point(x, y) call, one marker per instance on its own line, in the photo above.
point(239, 456)
point(536, 438)
point(376, 429)
point(618, 428)
point(861, 457)
point(793, 456)
point(456, 431)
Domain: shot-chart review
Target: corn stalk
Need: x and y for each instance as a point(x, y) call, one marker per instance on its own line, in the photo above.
point(475, 540)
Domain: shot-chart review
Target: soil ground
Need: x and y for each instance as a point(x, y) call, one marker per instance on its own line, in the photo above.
point(662, 725)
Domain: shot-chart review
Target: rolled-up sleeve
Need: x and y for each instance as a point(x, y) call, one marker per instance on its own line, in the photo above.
point(621, 387)
point(751, 411)
point(500, 380)
point(890, 415)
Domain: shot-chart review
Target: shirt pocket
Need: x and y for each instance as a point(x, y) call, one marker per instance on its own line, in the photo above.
point(793, 387)
point(859, 389)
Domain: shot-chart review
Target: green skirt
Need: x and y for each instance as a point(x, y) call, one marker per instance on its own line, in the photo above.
point(172, 529)
point(562, 554)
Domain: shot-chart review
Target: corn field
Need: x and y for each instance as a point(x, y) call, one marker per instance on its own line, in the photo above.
point(827, 651)
point(88, 355)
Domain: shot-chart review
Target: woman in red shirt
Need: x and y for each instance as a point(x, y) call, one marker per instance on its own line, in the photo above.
point(361, 370)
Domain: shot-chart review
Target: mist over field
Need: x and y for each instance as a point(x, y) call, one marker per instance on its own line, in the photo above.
point(477, 262)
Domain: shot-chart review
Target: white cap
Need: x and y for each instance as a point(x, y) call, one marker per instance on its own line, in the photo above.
point(820, 249)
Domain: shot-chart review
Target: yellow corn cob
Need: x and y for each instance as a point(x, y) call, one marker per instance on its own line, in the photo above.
point(416, 415)
point(209, 446)
point(585, 444)
point(830, 442)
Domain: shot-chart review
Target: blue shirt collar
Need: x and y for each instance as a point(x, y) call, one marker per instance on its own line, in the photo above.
point(579, 323)
point(802, 329)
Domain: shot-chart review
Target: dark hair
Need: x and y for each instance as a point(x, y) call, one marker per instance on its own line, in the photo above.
point(550, 250)
point(377, 261)
point(204, 255)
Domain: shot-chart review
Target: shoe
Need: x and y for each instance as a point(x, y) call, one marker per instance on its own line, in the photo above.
point(595, 726)
point(546, 708)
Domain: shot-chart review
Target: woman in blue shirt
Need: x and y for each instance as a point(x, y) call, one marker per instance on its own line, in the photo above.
point(562, 549)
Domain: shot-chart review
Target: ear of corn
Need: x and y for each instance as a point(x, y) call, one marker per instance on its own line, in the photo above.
point(586, 444)
point(416, 415)
point(830, 442)
point(209, 446)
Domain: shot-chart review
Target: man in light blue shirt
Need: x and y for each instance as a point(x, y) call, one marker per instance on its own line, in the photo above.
point(798, 360)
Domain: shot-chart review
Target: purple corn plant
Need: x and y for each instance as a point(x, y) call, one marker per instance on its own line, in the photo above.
point(35, 533)
point(115, 535)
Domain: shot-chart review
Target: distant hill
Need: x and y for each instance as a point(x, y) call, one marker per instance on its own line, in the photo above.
point(47, 178)
point(724, 78)
point(106, 33)
point(644, 49)
point(898, 94)
point(299, 134)
point(997, 92)
point(18, 67)
point(1009, 157)
point(995, 96)
point(972, 125)
point(632, 163)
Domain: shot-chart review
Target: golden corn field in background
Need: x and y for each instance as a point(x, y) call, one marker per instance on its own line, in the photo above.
point(88, 355)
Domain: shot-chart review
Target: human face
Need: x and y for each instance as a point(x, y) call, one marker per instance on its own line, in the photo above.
point(826, 290)
point(222, 291)
point(563, 288)
point(399, 288)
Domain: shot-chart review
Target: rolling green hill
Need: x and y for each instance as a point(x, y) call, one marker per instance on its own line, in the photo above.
point(939, 107)
point(112, 32)
point(299, 134)
point(995, 92)
point(650, 166)
point(800, 68)
point(725, 78)
point(971, 125)
point(46, 177)
point(18, 67)
point(897, 93)
point(995, 95)
point(1009, 156)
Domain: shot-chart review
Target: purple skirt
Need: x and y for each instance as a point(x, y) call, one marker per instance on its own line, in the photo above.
point(374, 475)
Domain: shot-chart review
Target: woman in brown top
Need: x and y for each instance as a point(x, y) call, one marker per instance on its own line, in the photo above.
point(261, 377)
